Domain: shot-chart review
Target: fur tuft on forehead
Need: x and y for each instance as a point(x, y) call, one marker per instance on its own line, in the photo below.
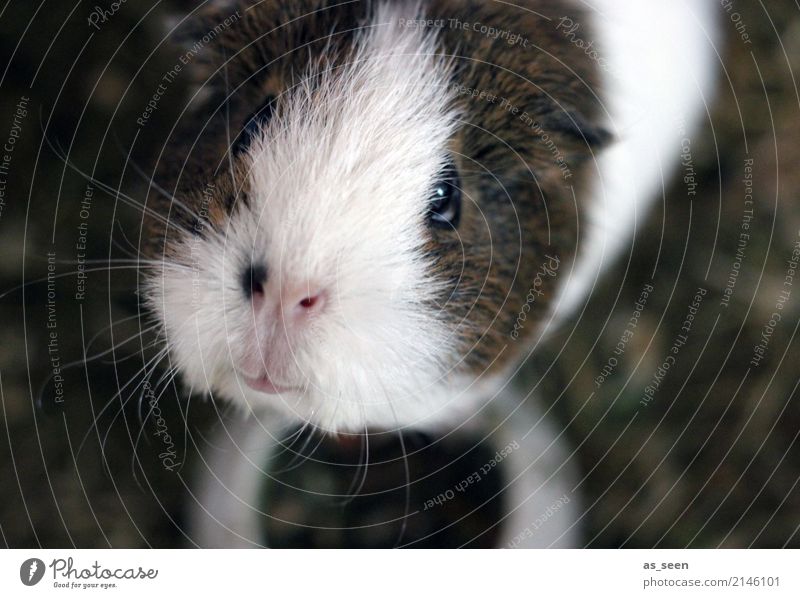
point(341, 135)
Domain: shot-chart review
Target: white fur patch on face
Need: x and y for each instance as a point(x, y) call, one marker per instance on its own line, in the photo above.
point(339, 184)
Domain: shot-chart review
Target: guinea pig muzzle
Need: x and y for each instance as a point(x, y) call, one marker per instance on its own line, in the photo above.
point(282, 312)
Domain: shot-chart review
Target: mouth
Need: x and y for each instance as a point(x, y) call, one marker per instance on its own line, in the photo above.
point(265, 385)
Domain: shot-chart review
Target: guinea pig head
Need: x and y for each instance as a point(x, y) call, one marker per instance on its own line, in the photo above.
point(371, 224)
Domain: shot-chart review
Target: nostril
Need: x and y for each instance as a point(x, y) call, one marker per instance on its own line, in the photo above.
point(309, 302)
point(253, 279)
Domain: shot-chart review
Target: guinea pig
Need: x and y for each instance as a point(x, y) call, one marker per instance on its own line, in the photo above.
point(372, 211)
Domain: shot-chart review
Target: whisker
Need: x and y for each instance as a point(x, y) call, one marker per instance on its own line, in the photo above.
point(407, 468)
point(115, 347)
point(130, 251)
point(113, 268)
point(300, 456)
point(85, 359)
point(128, 261)
point(296, 461)
point(104, 328)
point(363, 459)
point(229, 151)
point(185, 418)
point(172, 199)
point(160, 355)
point(289, 441)
point(117, 194)
point(123, 404)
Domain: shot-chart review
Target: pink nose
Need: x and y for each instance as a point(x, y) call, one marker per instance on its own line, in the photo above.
point(292, 303)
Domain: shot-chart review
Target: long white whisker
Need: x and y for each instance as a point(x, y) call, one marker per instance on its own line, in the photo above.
point(160, 355)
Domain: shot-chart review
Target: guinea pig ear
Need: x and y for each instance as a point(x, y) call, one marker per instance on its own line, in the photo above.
point(572, 123)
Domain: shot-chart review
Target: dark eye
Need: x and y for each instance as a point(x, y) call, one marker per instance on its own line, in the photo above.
point(445, 206)
point(252, 126)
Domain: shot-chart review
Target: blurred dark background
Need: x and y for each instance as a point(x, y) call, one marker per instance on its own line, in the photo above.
point(712, 460)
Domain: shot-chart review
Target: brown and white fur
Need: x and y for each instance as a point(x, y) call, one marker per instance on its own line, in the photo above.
point(301, 277)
